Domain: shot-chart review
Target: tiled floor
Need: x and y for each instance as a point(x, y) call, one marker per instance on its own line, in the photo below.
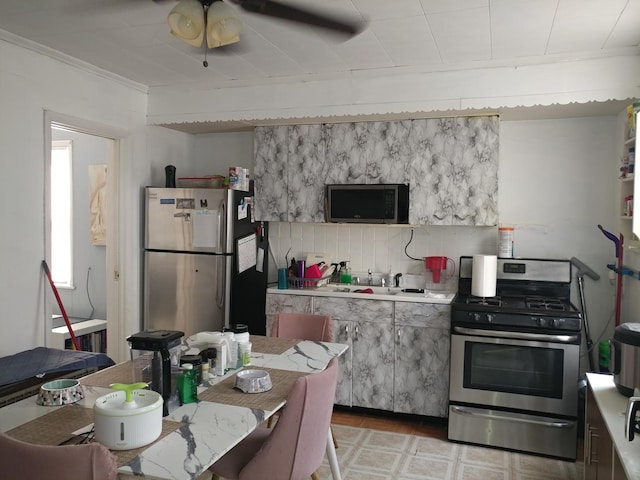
point(372, 447)
point(383, 446)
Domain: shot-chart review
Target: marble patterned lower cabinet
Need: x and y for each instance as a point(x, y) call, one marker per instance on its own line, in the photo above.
point(421, 374)
point(398, 357)
point(277, 303)
point(367, 372)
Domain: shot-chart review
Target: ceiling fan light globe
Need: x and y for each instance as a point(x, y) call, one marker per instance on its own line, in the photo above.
point(223, 27)
point(187, 22)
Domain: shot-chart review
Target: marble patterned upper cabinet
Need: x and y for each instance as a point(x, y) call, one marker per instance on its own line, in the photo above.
point(450, 164)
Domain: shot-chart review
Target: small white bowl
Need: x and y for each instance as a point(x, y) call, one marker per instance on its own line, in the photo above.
point(253, 381)
point(63, 391)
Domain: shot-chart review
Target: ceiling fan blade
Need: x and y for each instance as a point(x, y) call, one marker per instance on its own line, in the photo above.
point(295, 14)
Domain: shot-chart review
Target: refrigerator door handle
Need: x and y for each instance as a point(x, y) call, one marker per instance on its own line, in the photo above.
point(222, 227)
point(222, 248)
point(220, 280)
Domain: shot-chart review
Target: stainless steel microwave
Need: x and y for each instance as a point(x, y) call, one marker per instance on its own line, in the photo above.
point(364, 203)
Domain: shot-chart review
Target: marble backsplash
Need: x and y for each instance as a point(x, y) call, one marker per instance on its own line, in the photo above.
point(381, 248)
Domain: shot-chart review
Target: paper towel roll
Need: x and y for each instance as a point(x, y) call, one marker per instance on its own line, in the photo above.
point(483, 275)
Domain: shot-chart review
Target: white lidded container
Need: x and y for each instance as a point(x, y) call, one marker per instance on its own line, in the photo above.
point(128, 418)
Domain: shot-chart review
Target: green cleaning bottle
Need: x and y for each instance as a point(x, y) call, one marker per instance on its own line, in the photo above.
point(345, 274)
point(187, 384)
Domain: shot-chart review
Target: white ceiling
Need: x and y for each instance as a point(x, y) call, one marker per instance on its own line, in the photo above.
point(131, 37)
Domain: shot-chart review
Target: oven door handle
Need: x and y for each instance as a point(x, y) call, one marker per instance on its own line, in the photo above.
point(517, 335)
point(494, 416)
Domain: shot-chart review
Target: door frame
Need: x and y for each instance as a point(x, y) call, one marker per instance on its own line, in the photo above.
point(116, 151)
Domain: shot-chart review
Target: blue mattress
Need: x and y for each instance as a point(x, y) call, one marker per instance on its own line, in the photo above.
point(41, 361)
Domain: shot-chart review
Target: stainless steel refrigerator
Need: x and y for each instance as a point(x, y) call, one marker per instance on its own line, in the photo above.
point(206, 260)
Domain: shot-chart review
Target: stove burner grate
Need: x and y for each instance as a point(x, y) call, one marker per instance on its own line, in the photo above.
point(486, 301)
point(545, 303)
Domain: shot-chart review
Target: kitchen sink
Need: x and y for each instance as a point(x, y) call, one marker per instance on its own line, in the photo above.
point(363, 289)
point(397, 294)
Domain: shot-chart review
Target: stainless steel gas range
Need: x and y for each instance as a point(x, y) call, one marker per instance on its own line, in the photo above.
point(515, 360)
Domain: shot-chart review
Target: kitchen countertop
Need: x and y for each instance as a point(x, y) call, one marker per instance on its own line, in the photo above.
point(380, 293)
point(613, 405)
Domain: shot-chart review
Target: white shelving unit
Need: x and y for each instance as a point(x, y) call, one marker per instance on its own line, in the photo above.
point(60, 334)
point(627, 205)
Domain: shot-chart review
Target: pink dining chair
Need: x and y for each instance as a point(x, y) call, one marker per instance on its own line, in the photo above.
point(305, 326)
point(27, 461)
point(295, 447)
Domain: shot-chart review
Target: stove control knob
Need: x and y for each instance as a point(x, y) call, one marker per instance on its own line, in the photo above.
point(540, 321)
point(489, 317)
point(556, 323)
point(476, 317)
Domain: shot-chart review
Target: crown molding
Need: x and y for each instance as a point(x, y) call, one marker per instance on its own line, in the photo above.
point(35, 47)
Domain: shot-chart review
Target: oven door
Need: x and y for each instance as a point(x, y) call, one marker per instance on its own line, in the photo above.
point(531, 372)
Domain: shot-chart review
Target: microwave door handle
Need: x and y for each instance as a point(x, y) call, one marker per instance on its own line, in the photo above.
point(540, 337)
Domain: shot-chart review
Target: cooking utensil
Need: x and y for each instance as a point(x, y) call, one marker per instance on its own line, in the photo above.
point(151, 352)
point(625, 357)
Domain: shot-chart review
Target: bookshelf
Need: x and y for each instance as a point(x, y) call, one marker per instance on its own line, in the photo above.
point(91, 334)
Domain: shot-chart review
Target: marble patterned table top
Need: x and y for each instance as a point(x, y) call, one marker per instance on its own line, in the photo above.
point(209, 429)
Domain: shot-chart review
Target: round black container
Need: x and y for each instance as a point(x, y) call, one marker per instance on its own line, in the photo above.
point(237, 328)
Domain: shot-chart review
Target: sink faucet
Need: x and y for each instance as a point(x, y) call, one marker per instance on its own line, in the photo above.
point(396, 279)
point(370, 278)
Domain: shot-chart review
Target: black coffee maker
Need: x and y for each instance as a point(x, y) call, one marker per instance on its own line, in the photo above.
point(153, 352)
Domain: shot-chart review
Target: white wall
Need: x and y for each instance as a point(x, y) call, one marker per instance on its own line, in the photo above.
point(31, 83)
point(557, 181)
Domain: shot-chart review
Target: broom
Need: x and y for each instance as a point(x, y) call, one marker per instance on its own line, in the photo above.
point(74, 340)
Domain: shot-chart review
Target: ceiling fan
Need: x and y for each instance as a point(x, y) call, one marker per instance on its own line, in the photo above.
point(194, 20)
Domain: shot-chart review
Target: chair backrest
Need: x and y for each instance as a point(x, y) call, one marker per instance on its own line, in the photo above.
point(305, 326)
point(297, 445)
point(28, 461)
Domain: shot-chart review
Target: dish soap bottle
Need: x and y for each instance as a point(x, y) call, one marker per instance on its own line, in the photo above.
point(345, 274)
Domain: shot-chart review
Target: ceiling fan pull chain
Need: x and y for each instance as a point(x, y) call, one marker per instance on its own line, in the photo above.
point(205, 64)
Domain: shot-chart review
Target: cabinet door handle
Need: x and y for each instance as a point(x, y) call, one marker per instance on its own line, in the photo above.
point(398, 334)
point(587, 446)
point(593, 447)
point(357, 332)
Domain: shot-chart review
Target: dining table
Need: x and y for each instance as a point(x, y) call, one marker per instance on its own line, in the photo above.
point(194, 435)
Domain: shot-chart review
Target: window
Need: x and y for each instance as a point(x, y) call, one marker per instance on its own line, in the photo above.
point(61, 217)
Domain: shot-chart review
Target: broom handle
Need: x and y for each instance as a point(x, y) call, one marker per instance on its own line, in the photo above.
point(76, 345)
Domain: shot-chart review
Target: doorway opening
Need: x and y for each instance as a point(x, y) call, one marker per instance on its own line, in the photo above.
point(88, 275)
